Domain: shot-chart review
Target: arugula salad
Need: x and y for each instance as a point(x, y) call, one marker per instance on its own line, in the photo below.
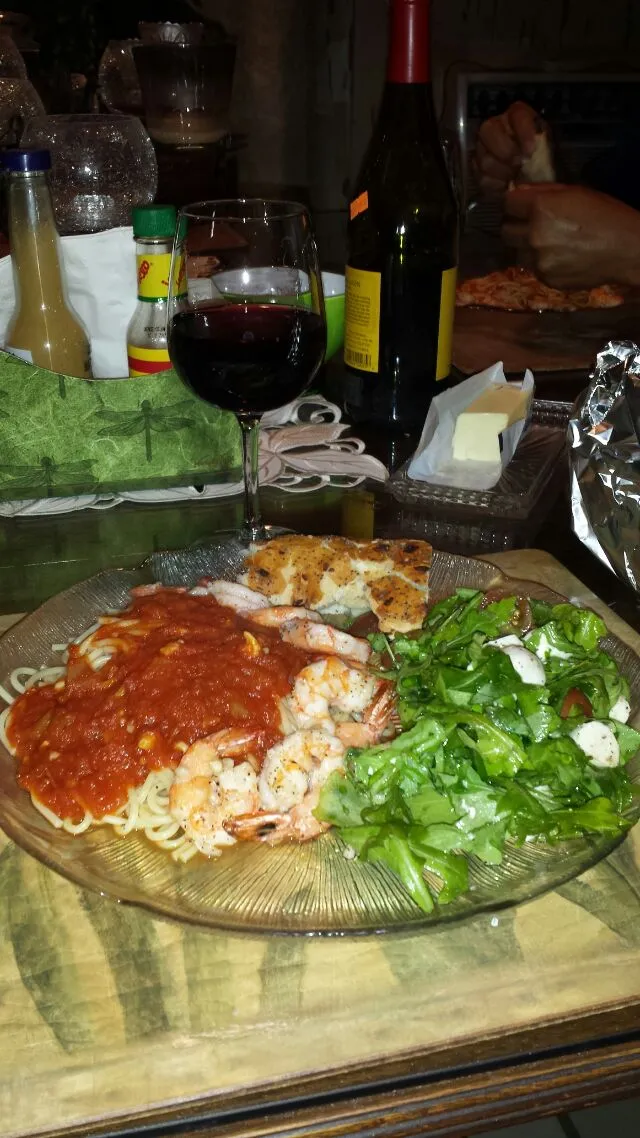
point(514, 728)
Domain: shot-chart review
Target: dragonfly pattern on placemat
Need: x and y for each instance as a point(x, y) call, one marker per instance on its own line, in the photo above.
point(146, 420)
point(48, 476)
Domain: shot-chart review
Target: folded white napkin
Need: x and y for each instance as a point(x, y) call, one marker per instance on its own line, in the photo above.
point(433, 460)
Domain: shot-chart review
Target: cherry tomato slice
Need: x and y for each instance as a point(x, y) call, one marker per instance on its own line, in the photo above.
point(575, 698)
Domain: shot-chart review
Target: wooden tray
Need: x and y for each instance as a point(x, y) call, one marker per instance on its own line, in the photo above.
point(544, 342)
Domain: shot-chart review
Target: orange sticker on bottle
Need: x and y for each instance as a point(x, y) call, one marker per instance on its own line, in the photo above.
point(359, 205)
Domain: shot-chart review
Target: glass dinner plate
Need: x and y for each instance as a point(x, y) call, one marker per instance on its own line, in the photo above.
point(253, 888)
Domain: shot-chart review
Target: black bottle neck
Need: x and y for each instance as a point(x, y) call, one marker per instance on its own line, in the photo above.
point(407, 110)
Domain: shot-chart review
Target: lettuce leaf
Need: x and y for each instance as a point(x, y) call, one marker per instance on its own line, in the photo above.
point(484, 758)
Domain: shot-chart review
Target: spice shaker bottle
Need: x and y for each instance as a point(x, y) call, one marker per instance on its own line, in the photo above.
point(153, 230)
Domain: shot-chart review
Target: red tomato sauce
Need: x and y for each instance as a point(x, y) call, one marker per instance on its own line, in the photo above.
point(184, 669)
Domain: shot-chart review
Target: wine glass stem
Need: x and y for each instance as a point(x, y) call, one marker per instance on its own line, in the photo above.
point(253, 529)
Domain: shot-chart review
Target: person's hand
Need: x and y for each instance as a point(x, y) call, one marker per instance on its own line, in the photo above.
point(576, 237)
point(503, 143)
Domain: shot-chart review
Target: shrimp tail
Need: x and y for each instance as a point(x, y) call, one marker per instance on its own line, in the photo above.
point(380, 718)
point(383, 713)
point(280, 616)
point(273, 828)
point(231, 595)
point(315, 636)
point(263, 826)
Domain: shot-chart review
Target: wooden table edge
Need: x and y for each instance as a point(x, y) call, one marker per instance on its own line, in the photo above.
point(456, 1099)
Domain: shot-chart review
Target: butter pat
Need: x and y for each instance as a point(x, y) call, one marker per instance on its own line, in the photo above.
point(501, 399)
point(476, 436)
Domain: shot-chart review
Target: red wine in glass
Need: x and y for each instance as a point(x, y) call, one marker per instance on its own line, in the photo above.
point(247, 327)
point(247, 358)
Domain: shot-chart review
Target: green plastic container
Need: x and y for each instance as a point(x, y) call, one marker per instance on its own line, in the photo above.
point(333, 288)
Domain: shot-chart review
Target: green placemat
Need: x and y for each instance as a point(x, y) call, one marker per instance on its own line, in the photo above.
point(61, 436)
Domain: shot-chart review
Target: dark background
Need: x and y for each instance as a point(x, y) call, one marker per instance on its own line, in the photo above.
point(73, 33)
point(309, 72)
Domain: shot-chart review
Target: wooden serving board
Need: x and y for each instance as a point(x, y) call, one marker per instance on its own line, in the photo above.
point(110, 1017)
point(544, 342)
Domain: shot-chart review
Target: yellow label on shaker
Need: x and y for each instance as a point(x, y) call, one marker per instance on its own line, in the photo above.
point(362, 319)
point(153, 275)
point(147, 361)
point(445, 331)
point(180, 276)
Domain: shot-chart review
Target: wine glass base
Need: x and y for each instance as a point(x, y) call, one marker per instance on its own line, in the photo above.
point(246, 534)
point(261, 532)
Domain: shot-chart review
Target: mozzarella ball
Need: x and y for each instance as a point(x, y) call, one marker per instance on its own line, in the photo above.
point(598, 742)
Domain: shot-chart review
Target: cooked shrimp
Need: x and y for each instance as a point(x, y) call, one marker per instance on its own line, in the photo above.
point(232, 596)
point(324, 638)
point(325, 685)
point(377, 720)
point(149, 590)
point(292, 776)
point(278, 615)
point(210, 787)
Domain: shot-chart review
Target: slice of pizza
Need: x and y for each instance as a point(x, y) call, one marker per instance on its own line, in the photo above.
point(519, 290)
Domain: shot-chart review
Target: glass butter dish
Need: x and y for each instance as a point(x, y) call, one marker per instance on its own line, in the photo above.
point(507, 515)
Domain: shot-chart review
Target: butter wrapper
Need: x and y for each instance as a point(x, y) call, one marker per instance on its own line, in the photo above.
point(433, 460)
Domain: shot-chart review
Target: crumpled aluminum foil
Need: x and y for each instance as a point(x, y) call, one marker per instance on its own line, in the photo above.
point(604, 453)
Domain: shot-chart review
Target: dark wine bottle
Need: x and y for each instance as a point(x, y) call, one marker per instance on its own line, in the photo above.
point(402, 246)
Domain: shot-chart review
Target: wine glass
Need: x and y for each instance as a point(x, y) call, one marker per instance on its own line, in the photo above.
point(247, 327)
point(453, 161)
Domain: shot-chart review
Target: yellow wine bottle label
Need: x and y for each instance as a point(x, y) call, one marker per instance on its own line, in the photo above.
point(153, 276)
point(445, 330)
point(147, 361)
point(362, 319)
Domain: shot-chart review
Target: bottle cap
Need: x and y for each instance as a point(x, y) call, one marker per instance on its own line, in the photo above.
point(26, 161)
point(154, 221)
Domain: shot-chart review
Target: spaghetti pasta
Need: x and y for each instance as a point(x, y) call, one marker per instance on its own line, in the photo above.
point(97, 737)
point(147, 807)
